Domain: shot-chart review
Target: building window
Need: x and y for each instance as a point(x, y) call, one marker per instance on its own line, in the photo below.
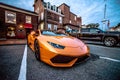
point(75, 18)
point(10, 17)
point(59, 10)
point(28, 19)
point(48, 5)
point(70, 21)
point(60, 19)
point(55, 27)
point(11, 32)
point(49, 26)
point(45, 4)
point(41, 26)
point(42, 16)
point(54, 8)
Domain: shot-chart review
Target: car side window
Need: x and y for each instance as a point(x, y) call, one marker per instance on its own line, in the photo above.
point(94, 30)
point(84, 30)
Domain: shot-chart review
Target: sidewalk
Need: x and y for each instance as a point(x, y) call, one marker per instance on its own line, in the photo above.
point(13, 42)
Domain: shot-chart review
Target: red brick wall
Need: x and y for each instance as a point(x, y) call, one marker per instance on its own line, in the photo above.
point(2, 14)
point(79, 21)
point(72, 18)
point(66, 12)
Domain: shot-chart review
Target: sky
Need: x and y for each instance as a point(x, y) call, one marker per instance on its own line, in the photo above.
point(91, 11)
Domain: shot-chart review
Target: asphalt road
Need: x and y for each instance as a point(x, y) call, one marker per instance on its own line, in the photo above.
point(103, 64)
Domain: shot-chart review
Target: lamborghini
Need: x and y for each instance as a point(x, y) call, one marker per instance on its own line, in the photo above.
point(57, 49)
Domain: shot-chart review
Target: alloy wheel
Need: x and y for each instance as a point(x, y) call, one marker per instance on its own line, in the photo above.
point(110, 41)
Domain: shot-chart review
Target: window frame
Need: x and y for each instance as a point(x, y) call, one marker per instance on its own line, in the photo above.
point(6, 17)
point(49, 26)
point(60, 19)
point(55, 27)
point(26, 19)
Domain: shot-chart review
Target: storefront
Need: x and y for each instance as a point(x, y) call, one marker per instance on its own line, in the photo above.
point(19, 32)
point(28, 27)
point(16, 23)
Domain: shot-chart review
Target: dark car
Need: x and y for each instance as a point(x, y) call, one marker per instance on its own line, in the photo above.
point(96, 34)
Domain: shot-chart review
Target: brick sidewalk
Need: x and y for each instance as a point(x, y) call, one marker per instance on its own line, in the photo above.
point(13, 41)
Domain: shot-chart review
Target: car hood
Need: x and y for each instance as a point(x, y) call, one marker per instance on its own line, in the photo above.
point(65, 41)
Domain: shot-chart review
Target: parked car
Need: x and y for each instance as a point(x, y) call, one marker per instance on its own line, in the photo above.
point(96, 34)
point(57, 49)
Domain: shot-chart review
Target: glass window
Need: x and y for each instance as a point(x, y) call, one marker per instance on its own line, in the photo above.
point(59, 10)
point(10, 17)
point(49, 33)
point(48, 5)
point(55, 27)
point(54, 7)
point(28, 19)
point(11, 32)
point(84, 30)
point(75, 18)
point(45, 4)
point(42, 26)
point(42, 16)
point(49, 26)
point(94, 30)
point(60, 19)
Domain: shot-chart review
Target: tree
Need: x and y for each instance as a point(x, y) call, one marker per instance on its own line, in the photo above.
point(93, 25)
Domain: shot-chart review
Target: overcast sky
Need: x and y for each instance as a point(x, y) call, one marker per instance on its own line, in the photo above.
point(91, 11)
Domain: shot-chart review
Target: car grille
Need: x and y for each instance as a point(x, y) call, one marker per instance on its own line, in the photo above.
point(62, 59)
point(80, 59)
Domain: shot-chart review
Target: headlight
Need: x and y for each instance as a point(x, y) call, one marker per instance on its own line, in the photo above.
point(56, 45)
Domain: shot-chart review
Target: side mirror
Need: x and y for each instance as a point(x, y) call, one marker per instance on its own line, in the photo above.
point(98, 31)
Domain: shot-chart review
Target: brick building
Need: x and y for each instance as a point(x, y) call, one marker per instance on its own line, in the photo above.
point(53, 17)
point(16, 22)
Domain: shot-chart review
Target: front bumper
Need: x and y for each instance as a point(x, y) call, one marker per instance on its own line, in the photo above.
point(60, 60)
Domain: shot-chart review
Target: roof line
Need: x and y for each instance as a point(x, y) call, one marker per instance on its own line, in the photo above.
point(7, 6)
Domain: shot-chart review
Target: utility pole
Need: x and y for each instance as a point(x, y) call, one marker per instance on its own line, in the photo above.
point(105, 21)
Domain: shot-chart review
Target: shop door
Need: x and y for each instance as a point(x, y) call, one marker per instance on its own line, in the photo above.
point(21, 33)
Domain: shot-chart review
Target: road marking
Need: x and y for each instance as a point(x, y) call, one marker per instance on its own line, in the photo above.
point(115, 60)
point(22, 75)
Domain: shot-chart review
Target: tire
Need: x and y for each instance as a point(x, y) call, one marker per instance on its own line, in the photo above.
point(37, 50)
point(110, 41)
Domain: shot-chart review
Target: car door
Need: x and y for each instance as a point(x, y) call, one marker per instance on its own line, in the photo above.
point(95, 34)
point(85, 33)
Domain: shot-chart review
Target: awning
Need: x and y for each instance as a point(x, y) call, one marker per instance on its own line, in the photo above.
point(26, 25)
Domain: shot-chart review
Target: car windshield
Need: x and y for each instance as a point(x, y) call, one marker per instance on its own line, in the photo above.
point(50, 33)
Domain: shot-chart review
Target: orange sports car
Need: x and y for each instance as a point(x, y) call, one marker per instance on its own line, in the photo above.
point(57, 49)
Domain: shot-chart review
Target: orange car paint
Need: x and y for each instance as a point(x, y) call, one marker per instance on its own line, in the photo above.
point(73, 47)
